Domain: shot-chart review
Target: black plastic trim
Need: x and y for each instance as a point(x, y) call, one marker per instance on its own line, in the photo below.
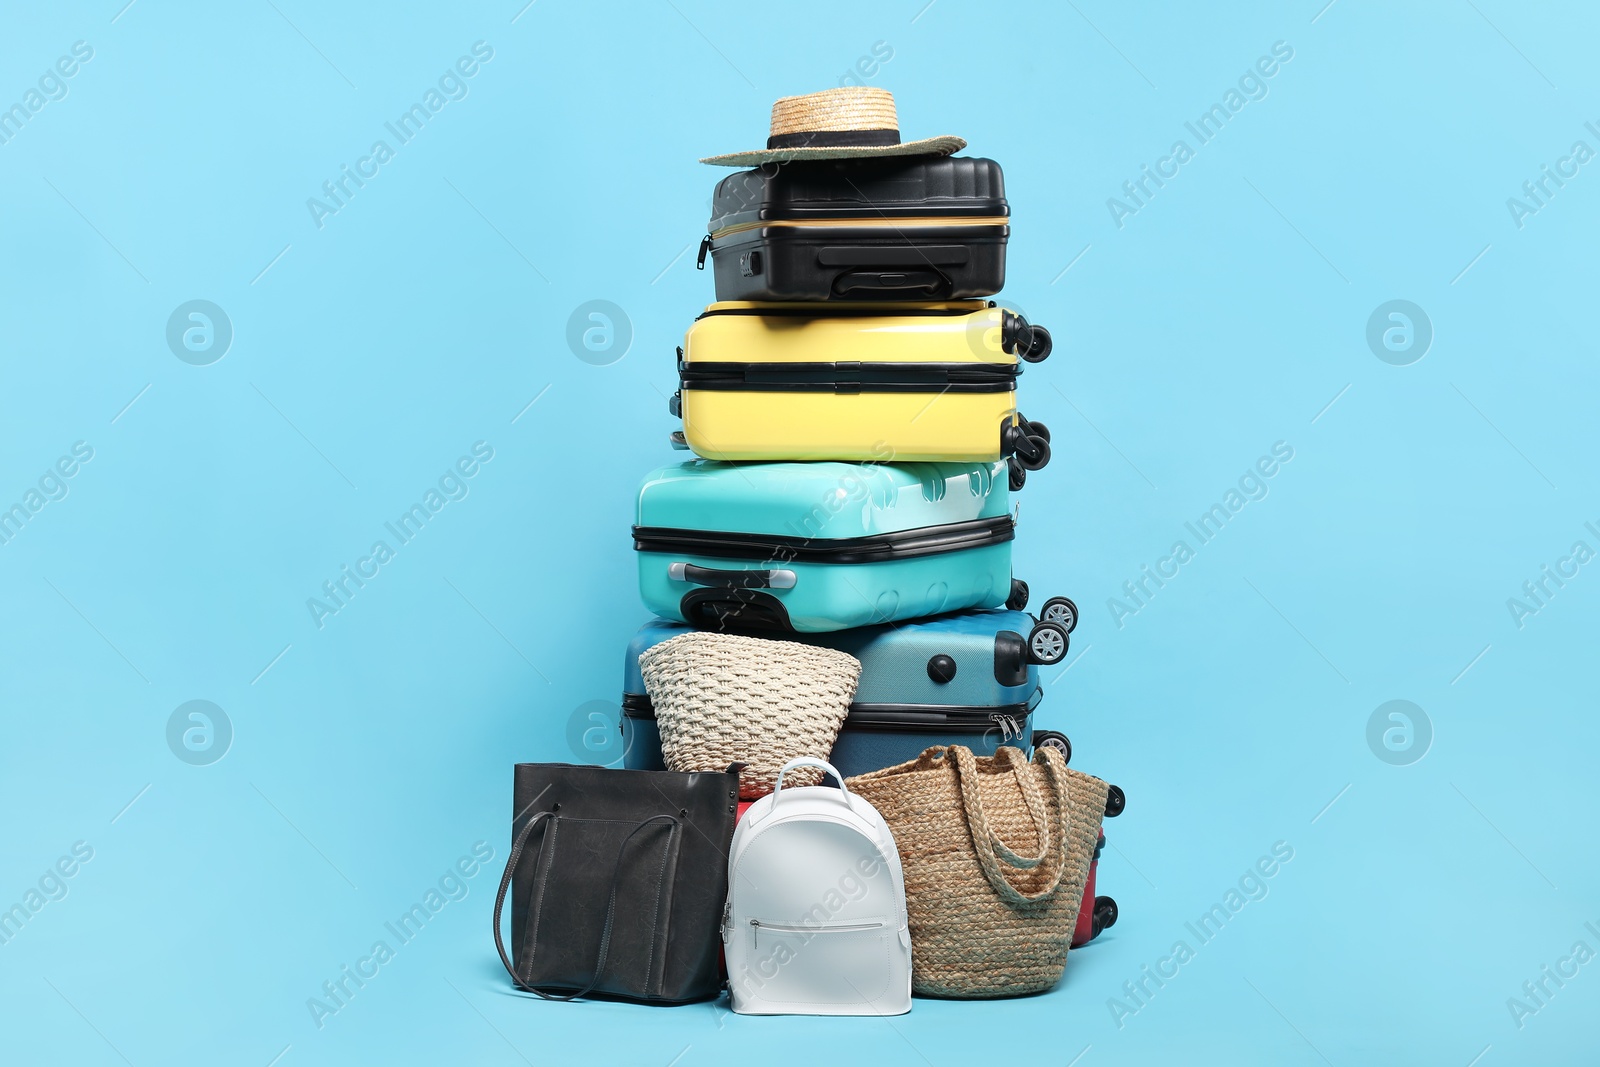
point(878, 548)
point(850, 376)
point(956, 718)
point(841, 311)
point(1010, 658)
point(888, 718)
point(735, 610)
point(850, 217)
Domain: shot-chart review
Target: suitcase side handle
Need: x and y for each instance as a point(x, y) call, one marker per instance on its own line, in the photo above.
point(925, 283)
point(771, 579)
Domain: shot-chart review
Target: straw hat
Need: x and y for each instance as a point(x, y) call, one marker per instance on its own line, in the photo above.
point(849, 123)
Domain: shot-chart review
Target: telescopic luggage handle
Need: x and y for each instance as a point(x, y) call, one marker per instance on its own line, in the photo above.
point(710, 576)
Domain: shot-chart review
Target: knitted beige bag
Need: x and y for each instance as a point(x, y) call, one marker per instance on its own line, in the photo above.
point(722, 698)
point(995, 851)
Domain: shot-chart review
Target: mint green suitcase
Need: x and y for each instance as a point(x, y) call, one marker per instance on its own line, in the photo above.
point(812, 547)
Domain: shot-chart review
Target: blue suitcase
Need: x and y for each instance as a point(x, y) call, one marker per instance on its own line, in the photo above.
point(813, 547)
point(969, 678)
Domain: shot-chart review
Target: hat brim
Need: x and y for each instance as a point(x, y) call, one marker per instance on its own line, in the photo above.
point(928, 146)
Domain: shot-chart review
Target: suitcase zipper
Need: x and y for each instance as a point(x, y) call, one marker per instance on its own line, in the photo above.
point(756, 926)
point(876, 548)
point(873, 309)
point(850, 376)
point(893, 718)
point(922, 718)
point(882, 222)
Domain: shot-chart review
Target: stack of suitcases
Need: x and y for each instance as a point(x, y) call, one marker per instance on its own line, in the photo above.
point(851, 401)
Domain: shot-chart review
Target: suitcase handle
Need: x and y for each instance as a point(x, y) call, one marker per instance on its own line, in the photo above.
point(930, 282)
point(773, 579)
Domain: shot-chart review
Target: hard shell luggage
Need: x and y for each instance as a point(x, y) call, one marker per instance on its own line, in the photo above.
point(912, 228)
point(810, 547)
point(1096, 913)
point(969, 678)
point(815, 922)
point(964, 679)
point(868, 382)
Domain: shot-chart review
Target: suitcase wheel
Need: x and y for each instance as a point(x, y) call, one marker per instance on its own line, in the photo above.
point(1116, 800)
point(1034, 429)
point(1017, 476)
point(1060, 609)
point(1105, 914)
point(1037, 346)
point(1054, 739)
point(1019, 595)
point(1047, 643)
point(1031, 450)
point(1031, 343)
point(1040, 449)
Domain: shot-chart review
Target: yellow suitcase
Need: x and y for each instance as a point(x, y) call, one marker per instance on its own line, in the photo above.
point(869, 382)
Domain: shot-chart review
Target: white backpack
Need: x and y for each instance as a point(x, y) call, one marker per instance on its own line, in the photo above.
point(815, 922)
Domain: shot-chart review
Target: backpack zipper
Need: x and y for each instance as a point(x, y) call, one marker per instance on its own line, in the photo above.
point(756, 926)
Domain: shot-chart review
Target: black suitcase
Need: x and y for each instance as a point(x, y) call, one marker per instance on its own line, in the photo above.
point(914, 228)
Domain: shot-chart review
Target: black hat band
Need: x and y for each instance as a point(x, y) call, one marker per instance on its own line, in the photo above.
point(836, 139)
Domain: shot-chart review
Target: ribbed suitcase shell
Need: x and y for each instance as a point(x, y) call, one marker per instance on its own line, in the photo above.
point(758, 351)
point(821, 546)
point(917, 228)
point(1095, 910)
point(899, 708)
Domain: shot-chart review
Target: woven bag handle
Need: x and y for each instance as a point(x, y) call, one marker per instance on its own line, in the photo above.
point(1035, 804)
point(984, 838)
point(1006, 756)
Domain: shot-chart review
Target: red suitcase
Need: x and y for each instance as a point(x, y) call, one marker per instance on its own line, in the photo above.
point(1096, 913)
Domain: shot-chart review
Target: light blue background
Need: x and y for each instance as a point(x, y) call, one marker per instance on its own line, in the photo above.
point(1229, 313)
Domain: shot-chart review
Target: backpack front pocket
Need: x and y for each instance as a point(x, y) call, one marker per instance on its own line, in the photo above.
point(843, 962)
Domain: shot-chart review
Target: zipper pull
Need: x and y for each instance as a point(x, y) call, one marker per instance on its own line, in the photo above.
point(705, 247)
point(755, 934)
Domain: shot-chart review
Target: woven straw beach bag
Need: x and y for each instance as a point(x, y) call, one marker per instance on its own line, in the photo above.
point(995, 851)
point(723, 698)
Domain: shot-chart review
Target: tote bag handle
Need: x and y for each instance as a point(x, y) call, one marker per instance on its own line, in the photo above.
point(986, 843)
point(611, 900)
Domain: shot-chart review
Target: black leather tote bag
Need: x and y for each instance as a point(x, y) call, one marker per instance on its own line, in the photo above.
point(617, 880)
